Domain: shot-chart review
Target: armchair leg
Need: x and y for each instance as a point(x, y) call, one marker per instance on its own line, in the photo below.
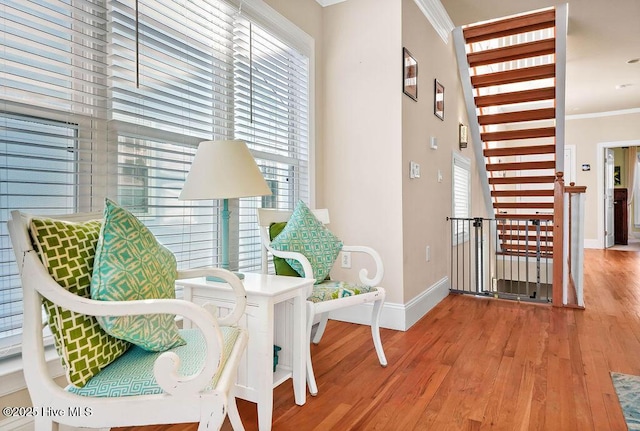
point(375, 331)
point(234, 414)
point(311, 380)
point(324, 318)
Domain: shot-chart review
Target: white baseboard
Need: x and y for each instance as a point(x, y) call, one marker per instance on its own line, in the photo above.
point(26, 424)
point(591, 243)
point(397, 316)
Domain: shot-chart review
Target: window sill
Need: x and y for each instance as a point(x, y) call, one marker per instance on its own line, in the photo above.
point(12, 375)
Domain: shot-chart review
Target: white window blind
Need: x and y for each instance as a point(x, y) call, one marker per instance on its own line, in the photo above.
point(461, 190)
point(110, 98)
point(271, 115)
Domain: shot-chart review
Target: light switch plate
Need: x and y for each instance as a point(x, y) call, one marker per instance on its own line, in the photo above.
point(414, 170)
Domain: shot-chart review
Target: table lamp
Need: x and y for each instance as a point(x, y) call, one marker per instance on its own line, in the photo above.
point(224, 170)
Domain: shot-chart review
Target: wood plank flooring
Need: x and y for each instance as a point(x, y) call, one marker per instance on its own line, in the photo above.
point(477, 364)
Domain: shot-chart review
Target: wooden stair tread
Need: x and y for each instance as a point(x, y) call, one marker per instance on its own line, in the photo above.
point(509, 135)
point(547, 248)
point(530, 254)
point(523, 179)
point(520, 205)
point(534, 238)
point(528, 227)
point(517, 116)
point(521, 166)
point(515, 75)
point(510, 26)
point(512, 52)
point(520, 151)
point(524, 216)
point(517, 193)
point(546, 93)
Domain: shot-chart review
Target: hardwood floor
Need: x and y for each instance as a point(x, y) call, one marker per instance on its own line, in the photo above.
point(475, 364)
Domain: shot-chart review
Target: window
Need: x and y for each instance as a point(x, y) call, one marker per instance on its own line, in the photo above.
point(110, 98)
point(461, 190)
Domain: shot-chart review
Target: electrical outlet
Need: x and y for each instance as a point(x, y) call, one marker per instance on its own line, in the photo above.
point(346, 259)
point(428, 253)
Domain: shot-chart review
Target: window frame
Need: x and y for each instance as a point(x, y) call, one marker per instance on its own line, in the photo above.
point(458, 161)
point(259, 12)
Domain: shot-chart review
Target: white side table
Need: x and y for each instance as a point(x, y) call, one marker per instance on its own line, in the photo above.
point(275, 314)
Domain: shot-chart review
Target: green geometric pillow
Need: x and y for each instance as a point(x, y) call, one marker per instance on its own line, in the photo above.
point(131, 264)
point(280, 264)
point(67, 250)
point(305, 234)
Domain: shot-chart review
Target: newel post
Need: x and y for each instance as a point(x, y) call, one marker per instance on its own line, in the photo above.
point(558, 240)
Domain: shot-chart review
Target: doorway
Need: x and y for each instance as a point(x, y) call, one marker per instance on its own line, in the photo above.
point(605, 203)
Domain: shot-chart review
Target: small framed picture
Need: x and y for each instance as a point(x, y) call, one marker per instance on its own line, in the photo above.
point(438, 100)
point(409, 74)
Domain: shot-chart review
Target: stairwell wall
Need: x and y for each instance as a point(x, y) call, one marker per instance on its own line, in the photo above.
point(427, 201)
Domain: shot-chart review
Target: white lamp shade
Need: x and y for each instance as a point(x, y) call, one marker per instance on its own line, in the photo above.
point(223, 170)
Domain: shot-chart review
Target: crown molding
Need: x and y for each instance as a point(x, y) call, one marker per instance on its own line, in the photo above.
point(325, 3)
point(602, 114)
point(437, 16)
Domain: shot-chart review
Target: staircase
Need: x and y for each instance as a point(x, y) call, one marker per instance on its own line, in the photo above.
point(517, 113)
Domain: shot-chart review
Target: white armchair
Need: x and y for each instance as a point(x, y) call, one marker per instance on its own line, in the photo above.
point(329, 295)
point(202, 394)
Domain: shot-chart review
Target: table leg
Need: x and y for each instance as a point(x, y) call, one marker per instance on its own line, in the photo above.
point(300, 346)
point(264, 365)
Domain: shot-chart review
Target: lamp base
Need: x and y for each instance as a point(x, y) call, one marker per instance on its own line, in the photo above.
point(220, 280)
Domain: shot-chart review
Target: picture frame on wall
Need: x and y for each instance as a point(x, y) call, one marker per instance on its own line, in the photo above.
point(438, 100)
point(409, 74)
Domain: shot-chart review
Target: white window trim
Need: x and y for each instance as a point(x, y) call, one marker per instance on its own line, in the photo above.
point(465, 163)
point(11, 369)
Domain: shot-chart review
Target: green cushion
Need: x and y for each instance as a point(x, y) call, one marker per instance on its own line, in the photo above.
point(132, 373)
point(130, 264)
point(67, 251)
point(329, 290)
point(280, 264)
point(305, 234)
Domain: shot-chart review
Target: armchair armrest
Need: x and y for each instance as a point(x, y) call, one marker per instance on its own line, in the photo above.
point(233, 281)
point(167, 365)
point(306, 266)
point(364, 274)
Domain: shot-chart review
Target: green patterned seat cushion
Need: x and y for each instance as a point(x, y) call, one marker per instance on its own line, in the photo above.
point(132, 373)
point(329, 290)
point(67, 251)
point(305, 234)
point(130, 264)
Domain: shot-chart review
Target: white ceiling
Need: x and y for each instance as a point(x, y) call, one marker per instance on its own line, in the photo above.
point(602, 36)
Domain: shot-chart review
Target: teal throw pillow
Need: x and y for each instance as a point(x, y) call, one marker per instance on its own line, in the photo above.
point(305, 234)
point(130, 264)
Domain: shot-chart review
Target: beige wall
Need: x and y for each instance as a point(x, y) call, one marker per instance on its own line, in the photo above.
point(362, 146)
point(426, 203)
point(586, 134)
point(368, 131)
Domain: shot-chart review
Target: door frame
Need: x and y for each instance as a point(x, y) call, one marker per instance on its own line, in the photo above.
point(600, 183)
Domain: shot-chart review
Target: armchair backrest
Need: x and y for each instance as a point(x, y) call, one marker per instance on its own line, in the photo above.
point(268, 216)
point(37, 281)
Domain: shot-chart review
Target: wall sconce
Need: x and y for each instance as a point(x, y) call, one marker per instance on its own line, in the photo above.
point(463, 135)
